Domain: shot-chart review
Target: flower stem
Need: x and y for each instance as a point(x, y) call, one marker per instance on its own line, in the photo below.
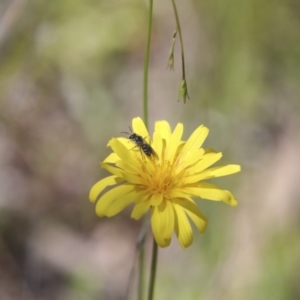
point(141, 270)
point(153, 270)
point(140, 243)
point(145, 117)
point(180, 38)
point(146, 64)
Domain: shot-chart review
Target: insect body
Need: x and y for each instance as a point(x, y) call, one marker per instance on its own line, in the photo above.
point(134, 137)
point(137, 139)
point(141, 144)
point(148, 150)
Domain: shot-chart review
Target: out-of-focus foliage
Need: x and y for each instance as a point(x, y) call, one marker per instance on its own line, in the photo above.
point(71, 78)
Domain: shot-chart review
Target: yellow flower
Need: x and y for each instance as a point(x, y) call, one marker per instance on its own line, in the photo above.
point(164, 182)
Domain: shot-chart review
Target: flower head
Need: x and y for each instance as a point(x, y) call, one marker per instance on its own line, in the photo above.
point(163, 182)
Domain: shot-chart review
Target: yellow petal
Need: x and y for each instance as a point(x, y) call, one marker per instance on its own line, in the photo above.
point(116, 171)
point(128, 144)
point(140, 209)
point(197, 178)
point(164, 130)
point(108, 198)
point(127, 157)
point(148, 169)
point(200, 224)
point(123, 140)
point(158, 144)
point(133, 179)
point(178, 193)
point(157, 224)
point(209, 150)
point(101, 185)
point(225, 170)
point(194, 142)
point(139, 127)
point(206, 161)
point(174, 142)
point(194, 213)
point(211, 192)
point(191, 160)
point(213, 173)
point(111, 158)
point(183, 227)
point(122, 202)
point(169, 220)
point(127, 167)
point(156, 199)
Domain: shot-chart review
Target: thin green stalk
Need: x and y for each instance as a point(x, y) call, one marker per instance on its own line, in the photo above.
point(146, 64)
point(141, 269)
point(141, 248)
point(145, 117)
point(180, 38)
point(153, 270)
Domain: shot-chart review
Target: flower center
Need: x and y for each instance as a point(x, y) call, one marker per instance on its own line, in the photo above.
point(161, 177)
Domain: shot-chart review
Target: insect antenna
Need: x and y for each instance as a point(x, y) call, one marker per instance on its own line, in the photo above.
point(127, 132)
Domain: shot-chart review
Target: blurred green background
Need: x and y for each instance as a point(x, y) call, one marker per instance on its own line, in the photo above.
point(71, 78)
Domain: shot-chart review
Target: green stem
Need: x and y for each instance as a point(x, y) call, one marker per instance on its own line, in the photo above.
point(145, 114)
point(141, 270)
point(180, 38)
point(153, 270)
point(146, 64)
point(141, 248)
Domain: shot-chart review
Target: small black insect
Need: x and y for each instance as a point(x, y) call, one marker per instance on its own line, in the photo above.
point(137, 139)
point(141, 143)
point(148, 150)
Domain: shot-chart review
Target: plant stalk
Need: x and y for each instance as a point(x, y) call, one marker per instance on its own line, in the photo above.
point(153, 270)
